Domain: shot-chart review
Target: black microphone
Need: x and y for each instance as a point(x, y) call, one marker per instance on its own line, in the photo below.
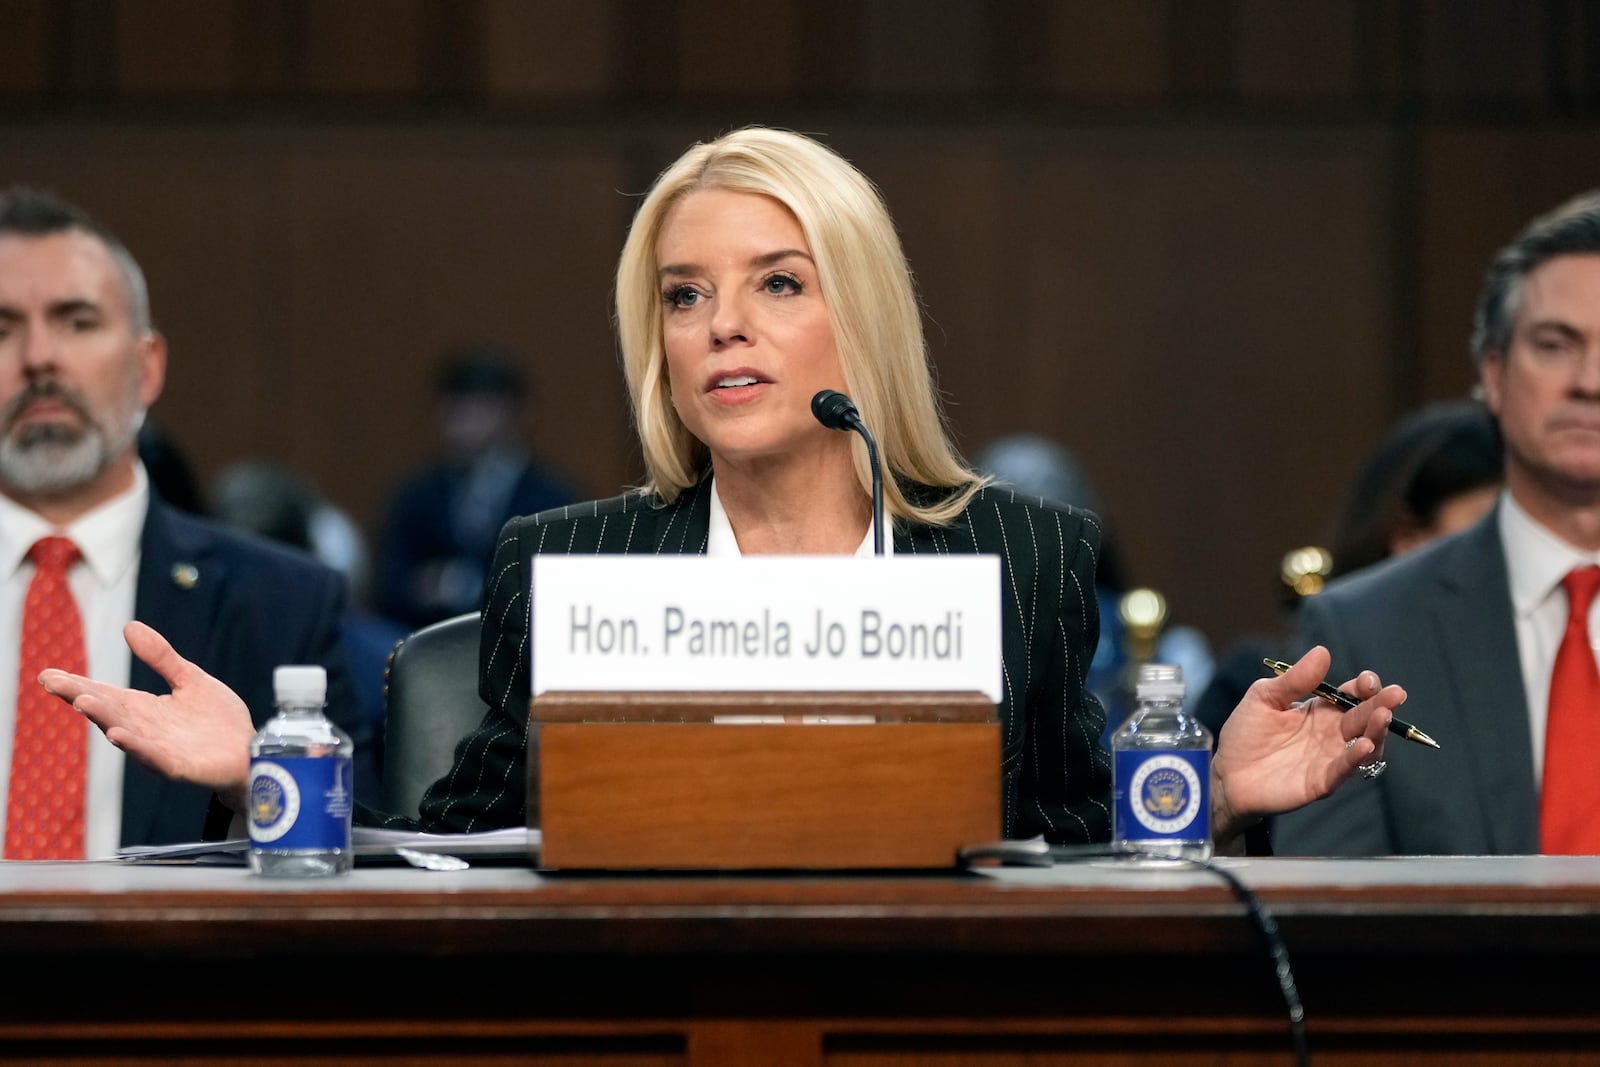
point(838, 412)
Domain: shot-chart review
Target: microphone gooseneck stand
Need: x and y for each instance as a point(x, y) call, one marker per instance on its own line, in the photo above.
point(838, 412)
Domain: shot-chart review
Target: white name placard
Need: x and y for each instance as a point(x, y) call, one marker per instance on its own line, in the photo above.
point(782, 623)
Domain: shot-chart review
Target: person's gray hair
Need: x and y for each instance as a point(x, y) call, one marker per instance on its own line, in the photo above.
point(1573, 229)
point(29, 212)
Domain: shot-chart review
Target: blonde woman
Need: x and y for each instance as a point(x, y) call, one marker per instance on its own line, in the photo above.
point(760, 269)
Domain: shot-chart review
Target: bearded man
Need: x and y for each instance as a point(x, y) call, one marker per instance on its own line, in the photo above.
point(80, 364)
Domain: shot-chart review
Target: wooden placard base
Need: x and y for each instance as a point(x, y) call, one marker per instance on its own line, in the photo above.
point(741, 781)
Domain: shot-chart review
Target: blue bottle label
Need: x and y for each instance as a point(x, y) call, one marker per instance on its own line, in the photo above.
point(1163, 795)
point(300, 802)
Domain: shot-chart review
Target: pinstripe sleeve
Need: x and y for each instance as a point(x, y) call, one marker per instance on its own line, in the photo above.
point(1057, 774)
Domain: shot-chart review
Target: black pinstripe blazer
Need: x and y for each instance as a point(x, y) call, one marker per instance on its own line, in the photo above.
point(1055, 775)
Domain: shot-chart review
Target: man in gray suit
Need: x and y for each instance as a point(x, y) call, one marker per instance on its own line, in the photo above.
point(1471, 624)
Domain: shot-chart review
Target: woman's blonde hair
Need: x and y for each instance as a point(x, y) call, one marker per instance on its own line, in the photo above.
point(866, 281)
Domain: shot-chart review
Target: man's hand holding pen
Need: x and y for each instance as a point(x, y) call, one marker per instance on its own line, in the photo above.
point(1283, 750)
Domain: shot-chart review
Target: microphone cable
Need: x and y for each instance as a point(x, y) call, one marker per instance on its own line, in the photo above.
point(1267, 927)
point(1036, 853)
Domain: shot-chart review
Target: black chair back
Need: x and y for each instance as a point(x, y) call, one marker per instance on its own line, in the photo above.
point(431, 690)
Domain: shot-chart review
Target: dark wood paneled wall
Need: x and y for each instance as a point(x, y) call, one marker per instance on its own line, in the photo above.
point(1213, 245)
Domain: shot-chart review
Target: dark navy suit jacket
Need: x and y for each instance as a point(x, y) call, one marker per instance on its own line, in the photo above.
point(237, 606)
point(1055, 774)
point(422, 528)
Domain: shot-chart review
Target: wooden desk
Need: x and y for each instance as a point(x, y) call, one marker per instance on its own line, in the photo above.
point(1438, 961)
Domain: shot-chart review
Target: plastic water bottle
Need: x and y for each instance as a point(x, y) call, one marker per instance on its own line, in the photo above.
point(300, 783)
point(1161, 756)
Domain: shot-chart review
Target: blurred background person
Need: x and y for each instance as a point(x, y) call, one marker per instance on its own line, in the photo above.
point(441, 521)
point(279, 503)
point(172, 476)
point(1437, 470)
point(1133, 620)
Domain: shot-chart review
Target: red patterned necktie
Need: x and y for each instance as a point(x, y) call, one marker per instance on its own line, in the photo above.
point(50, 749)
point(1569, 815)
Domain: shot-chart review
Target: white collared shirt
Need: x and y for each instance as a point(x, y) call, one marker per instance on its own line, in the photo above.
point(720, 540)
point(1536, 562)
point(103, 583)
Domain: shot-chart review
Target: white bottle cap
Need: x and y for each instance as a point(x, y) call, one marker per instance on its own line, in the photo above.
point(300, 685)
point(1160, 681)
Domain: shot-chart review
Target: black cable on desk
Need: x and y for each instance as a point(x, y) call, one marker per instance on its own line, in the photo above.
point(1036, 853)
point(1268, 926)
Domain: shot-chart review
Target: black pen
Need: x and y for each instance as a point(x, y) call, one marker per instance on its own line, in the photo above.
point(1397, 725)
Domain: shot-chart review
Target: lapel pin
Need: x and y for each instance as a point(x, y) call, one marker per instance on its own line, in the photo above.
point(185, 575)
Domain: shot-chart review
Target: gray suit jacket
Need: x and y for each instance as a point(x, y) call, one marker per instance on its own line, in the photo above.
point(1439, 622)
point(1055, 776)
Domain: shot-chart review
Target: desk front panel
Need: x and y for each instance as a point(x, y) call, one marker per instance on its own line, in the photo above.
point(1446, 962)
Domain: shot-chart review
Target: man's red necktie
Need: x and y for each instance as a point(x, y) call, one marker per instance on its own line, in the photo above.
point(50, 749)
point(1569, 804)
